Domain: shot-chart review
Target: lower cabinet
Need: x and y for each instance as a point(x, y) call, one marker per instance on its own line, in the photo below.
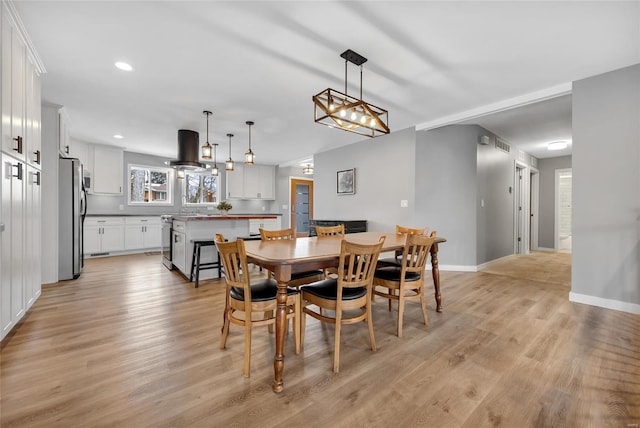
point(142, 233)
point(103, 235)
point(263, 223)
point(113, 235)
point(20, 264)
point(179, 245)
point(33, 237)
point(12, 292)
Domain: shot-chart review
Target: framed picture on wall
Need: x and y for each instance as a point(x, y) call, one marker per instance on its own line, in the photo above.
point(346, 182)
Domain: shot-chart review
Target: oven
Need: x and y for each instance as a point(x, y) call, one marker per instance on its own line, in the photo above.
point(167, 250)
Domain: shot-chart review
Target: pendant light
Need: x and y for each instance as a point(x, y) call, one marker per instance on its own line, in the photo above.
point(206, 149)
point(214, 169)
point(229, 162)
point(249, 156)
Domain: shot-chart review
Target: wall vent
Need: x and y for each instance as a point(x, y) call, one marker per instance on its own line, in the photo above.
point(534, 162)
point(502, 145)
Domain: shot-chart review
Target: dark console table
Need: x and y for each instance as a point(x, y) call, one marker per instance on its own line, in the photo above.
point(350, 226)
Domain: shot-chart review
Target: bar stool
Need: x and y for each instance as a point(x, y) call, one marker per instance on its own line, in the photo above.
point(196, 266)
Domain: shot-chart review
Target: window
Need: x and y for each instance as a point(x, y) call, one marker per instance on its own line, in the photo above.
point(150, 185)
point(200, 189)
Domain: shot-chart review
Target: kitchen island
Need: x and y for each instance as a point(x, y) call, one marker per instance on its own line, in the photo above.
point(188, 228)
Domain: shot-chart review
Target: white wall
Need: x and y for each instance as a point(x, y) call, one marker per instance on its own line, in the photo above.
point(606, 190)
point(446, 174)
point(385, 175)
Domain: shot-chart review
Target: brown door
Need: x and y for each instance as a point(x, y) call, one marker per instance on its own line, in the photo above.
point(301, 205)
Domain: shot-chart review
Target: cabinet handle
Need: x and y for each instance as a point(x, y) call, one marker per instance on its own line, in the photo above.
point(66, 149)
point(36, 179)
point(18, 173)
point(18, 147)
point(102, 221)
point(37, 159)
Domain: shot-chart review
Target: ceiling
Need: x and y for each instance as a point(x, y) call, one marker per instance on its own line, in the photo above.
point(264, 60)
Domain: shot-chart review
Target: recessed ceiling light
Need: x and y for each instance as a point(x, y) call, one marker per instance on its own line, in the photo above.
point(124, 66)
point(118, 136)
point(557, 145)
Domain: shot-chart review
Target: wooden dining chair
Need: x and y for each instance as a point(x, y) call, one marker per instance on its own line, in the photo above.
point(401, 230)
point(254, 299)
point(330, 232)
point(323, 231)
point(407, 278)
point(348, 295)
point(297, 278)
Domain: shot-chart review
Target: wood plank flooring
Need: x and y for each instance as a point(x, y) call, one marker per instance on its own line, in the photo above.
point(131, 344)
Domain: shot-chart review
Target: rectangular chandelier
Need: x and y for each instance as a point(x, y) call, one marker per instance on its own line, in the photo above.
point(339, 110)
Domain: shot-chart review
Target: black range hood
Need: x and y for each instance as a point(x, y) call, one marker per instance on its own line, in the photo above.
point(188, 151)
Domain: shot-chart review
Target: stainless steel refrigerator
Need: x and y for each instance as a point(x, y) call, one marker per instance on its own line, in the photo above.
point(72, 208)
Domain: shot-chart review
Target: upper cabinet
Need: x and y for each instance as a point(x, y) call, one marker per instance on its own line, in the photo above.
point(64, 139)
point(251, 182)
point(13, 65)
point(107, 170)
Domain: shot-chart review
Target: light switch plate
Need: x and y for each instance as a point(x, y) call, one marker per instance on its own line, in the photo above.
point(404, 203)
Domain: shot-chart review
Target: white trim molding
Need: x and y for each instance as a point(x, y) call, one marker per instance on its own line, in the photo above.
point(519, 101)
point(454, 268)
point(616, 305)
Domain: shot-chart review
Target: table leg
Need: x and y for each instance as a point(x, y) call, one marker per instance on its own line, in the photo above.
point(435, 272)
point(282, 274)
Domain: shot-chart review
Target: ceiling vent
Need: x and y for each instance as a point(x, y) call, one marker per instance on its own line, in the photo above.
point(188, 151)
point(503, 145)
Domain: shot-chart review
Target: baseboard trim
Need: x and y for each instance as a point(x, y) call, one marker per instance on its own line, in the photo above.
point(616, 305)
point(490, 262)
point(454, 268)
point(549, 250)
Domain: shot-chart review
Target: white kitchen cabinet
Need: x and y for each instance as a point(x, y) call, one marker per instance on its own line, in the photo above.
point(251, 182)
point(33, 237)
point(64, 131)
point(142, 233)
point(107, 170)
point(235, 183)
point(13, 268)
point(13, 78)
point(179, 245)
point(255, 224)
point(20, 230)
point(33, 123)
point(103, 235)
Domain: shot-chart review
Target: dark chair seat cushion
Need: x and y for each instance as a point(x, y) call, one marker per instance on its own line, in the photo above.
point(307, 274)
point(391, 261)
point(328, 289)
point(390, 273)
point(261, 291)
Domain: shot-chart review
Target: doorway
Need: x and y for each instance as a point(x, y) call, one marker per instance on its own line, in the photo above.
point(563, 210)
point(520, 224)
point(534, 198)
point(301, 203)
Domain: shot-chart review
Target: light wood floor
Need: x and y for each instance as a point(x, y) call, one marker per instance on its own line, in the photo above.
point(130, 344)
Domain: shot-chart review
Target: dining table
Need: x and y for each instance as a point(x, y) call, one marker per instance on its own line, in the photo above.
point(285, 257)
